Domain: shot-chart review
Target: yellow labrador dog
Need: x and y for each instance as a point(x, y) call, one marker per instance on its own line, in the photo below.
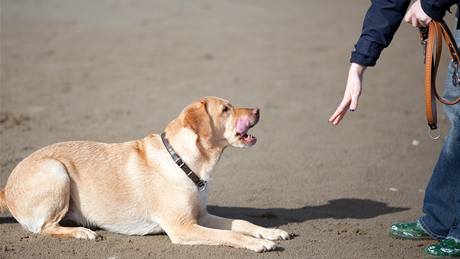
point(151, 185)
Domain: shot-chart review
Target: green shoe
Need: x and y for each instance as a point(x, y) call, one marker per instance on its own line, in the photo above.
point(448, 247)
point(411, 230)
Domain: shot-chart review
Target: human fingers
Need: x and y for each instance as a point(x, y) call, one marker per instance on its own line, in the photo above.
point(407, 17)
point(414, 21)
point(354, 102)
point(339, 118)
point(342, 107)
point(339, 113)
point(424, 21)
point(422, 18)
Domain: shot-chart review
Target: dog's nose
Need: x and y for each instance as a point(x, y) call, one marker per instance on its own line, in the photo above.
point(256, 112)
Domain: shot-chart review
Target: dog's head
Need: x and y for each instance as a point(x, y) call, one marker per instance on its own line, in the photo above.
point(218, 122)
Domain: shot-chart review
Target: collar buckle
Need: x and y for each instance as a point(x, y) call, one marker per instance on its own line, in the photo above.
point(202, 185)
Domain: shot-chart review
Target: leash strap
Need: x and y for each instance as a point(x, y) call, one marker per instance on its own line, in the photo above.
point(178, 160)
point(432, 40)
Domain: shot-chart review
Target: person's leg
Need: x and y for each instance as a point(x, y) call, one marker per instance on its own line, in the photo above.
point(439, 203)
point(442, 197)
point(454, 154)
point(448, 167)
point(450, 246)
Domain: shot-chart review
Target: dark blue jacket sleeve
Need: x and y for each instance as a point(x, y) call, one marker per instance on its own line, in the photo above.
point(380, 24)
point(436, 9)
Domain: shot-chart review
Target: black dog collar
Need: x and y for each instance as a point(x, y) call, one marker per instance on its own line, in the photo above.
point(178, 160)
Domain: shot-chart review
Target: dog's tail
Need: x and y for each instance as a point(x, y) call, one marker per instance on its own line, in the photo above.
point(3, 206)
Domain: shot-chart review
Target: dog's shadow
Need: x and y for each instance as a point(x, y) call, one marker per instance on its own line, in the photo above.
point(336, 209)
point(274, 217)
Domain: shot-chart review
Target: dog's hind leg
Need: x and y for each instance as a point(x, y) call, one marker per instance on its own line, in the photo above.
point(38, 197)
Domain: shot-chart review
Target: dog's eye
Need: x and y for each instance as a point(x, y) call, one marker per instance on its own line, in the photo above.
point(225, 109)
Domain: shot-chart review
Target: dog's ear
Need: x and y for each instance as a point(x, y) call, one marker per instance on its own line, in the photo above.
point(197, 119)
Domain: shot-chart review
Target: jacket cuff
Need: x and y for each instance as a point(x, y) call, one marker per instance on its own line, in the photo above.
point(432, 10)
point(366, 52)
point(363, 60)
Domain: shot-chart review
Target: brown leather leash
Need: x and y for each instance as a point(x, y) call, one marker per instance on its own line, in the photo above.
point(432, 41)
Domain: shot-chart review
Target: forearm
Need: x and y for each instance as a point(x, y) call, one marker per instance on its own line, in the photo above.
point(380, 24)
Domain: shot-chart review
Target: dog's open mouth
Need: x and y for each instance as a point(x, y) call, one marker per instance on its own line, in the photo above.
point(243, 127)
point(246, 138)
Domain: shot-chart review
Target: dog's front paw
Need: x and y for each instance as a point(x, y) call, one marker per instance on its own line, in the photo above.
point(260, 245)
point(84, 233)
point(273, 234)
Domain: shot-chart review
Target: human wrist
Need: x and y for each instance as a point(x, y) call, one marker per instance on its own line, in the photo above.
point(357, 68)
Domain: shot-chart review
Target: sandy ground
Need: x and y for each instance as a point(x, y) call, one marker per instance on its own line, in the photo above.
point(113, 71)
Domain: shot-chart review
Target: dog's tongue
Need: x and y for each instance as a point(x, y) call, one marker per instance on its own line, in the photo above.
point(242, 125)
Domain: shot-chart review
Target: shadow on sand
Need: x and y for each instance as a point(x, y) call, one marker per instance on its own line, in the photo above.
point(7, 220)
point(273, 217)
point(334, 209)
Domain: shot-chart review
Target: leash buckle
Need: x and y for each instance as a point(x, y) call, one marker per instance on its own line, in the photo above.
point(456, 74)
point(434, 132)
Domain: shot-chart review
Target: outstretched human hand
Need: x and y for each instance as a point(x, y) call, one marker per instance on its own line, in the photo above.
point(352, 93)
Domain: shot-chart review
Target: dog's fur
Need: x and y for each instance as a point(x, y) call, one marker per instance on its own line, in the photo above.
point(135, 187)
